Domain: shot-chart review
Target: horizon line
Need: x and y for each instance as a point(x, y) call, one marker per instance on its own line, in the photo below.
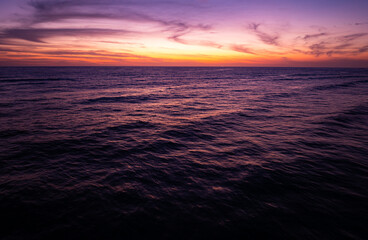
point(66, 66)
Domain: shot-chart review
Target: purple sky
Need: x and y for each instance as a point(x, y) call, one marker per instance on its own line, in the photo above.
point(190, 33)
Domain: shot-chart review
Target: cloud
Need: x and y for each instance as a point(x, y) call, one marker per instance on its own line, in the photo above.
point(361, 23)
point(51, 11)
point(39, 34)
point(178, 38)
point(363, 49)
point(343, 46)
point(57, 4)
point(331, 44)
point(2, 49)
point(60, 16)
point(74, 53)
point(263, 36)
point(61, 10)
point(181, 28)
point(330, 48)
point(210, 44)
point(96, 53)
point(313, 36)
point(351, 37)
point(241, 48)
point(324, 48)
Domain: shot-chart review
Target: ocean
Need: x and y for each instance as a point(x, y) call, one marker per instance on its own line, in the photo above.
point(183, 153)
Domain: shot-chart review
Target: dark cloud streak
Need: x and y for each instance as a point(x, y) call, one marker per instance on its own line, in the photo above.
point(352, 37)
point(74, 53)
point(39, 34)
point(312, 36)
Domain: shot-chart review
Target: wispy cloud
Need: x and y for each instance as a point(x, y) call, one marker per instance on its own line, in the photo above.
point(52, 11)
point(330, 44)
point(181, 29)
point(266, 38)
point(62, 10)
point(343, 46)
point(363, 49)
point(241, 48)
point(39, 34)
point(361, 23)
point(72, 54)
point(313, 36)
point(351, 37)
point(205, 43)
point(57, 4)
point(92, 53)
point(318, 49)
point(333, 49)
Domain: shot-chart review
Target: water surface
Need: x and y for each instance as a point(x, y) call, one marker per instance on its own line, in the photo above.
point(183, 153)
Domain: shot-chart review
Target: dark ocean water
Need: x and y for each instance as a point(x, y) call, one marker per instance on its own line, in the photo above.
point(183, 153)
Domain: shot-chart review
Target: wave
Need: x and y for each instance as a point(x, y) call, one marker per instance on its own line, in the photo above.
point(356, 117)
point(123, 99)
point(13, 133)
point(132, 126)
point(339, 85)
point(30, 80)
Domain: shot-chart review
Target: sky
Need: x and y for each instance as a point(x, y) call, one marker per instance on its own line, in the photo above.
point(274, 33)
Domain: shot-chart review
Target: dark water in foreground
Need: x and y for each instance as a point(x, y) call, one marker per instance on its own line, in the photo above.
point(183, 153)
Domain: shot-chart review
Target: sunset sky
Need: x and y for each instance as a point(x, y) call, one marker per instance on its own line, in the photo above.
point(318, 33)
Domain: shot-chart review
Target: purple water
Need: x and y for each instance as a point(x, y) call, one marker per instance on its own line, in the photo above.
point(183, 153)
